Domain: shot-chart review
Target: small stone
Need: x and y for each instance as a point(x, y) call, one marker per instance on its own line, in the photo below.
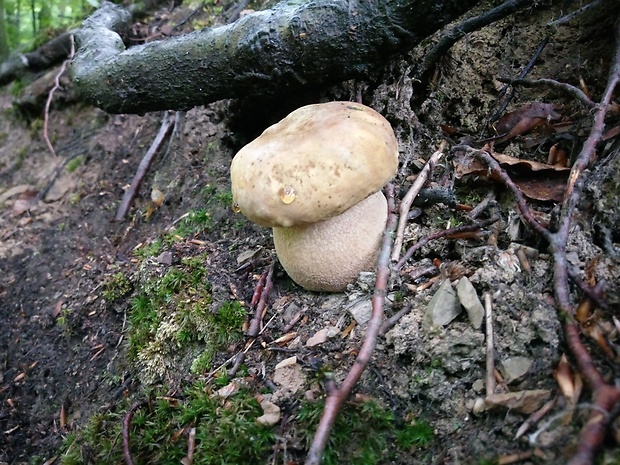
point(443, 307)
point(361, 310)
point(290, 377)
point(479, 406)
point(469, 299)
point(271, 414)
point(319, 338)
point(165, 258)
point(515, 368)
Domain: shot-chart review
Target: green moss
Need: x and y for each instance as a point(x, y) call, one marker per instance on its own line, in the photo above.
point(196, 222)
point(352, 441)
point(149, 250)
point(74, 164)
point(172, 322)
point(116, 286)
point(226, 431)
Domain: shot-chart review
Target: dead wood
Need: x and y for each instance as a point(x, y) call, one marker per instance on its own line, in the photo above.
point(47, 55)
point(294, 45)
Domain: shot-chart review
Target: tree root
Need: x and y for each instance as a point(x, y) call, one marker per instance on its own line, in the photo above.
point(605, 396)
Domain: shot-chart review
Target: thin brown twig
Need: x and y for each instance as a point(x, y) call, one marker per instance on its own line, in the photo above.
point(337, 395)
point(390, 322)
point(439, 234)
point(572, 91)
point(166, 126)
point(490, 345)
point(126, 425)
point(50, 96)
point(262, 301)
point(408, 199)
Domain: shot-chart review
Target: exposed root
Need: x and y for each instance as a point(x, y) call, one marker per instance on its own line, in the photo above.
point(605, 396)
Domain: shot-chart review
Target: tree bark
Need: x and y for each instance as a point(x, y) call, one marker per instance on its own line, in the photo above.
point(296, 44)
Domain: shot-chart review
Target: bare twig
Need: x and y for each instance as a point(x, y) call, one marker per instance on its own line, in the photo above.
point(267, 282)
point(336, 396)
point(48, 103)
point(506, 94)
point(572, 91)
point(439, 234)
point(391, 321)
point(490, 346)
point(166, 126)
point(574, 14)
point(126, 424)
point(407, 200)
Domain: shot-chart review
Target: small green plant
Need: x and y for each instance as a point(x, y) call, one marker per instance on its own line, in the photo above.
point(225, 198)
point(74, 164)
point(197, 221)
point(149, 250)
point(116, 287)
point(63, 319)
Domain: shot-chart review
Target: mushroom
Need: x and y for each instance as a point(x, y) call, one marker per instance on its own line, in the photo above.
point(315, 178)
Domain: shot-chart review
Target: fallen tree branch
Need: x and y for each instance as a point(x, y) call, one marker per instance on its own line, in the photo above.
point(46, 56)
point(337, 395)
point(166, 126)
point(291, 46)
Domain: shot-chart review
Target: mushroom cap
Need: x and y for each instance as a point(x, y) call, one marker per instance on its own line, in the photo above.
point(328, 255)
point(314, 164)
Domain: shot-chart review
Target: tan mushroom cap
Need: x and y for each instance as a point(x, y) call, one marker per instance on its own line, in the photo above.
point(314, 164)
point(328, 255)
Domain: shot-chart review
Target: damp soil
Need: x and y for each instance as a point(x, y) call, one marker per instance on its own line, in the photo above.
point(63, 340)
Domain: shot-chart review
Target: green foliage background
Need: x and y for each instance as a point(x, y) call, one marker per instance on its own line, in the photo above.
point(30, 22)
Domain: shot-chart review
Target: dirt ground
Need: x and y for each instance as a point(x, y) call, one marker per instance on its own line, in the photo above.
point(63, 342)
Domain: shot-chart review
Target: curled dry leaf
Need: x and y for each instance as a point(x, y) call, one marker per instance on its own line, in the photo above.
point(564, 378)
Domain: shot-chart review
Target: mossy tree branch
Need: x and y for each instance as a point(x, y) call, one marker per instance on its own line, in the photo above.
point(293, 45)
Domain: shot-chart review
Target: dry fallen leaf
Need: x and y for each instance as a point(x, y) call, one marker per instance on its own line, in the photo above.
point(25, 201)
point(536, 180)
point(524, 119)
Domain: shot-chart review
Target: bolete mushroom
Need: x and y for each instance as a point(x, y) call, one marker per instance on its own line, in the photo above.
point(315, 178)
